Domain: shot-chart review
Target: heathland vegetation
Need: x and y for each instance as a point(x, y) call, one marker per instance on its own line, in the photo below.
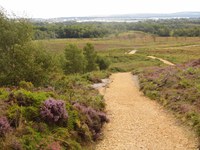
point(46, 98)
point(46, 101)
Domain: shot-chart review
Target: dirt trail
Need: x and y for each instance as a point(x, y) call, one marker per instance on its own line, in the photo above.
point(132, 52)
point(164, 61)
point(139, 123)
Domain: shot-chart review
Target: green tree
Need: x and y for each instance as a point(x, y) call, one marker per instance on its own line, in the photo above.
point(91, 57)
point(20, 59)
point(75, 60)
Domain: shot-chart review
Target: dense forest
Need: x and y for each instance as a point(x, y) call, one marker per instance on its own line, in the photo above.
point(170, 27)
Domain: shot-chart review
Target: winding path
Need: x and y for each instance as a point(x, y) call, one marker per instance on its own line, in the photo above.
point(139, 123)
point(164, 61)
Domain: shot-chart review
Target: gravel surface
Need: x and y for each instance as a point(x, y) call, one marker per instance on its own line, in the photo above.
point(139, 123)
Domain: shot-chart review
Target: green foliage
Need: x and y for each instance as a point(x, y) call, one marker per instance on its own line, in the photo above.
point(30, 113)
point(73, 119)
point(91, 57)
point(27, 98)
point(3, 94)
point(103, 62)
point(75, 61)
point(26, 85)
point(19, 58)
point(14, 115)
point(162, 27)
point(32, 139)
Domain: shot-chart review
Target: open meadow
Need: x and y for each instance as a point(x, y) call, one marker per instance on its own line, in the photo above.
point(116, 47)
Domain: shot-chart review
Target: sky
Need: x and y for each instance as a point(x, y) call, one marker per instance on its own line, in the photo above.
point(74, 8)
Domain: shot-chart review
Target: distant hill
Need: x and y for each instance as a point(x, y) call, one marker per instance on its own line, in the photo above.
point(122, 18)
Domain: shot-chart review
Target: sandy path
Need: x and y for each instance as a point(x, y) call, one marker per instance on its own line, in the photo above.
point(164, 61)
point(139, 123)
point(132, 52)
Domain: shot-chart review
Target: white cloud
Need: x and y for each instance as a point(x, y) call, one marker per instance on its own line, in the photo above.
point(59, 8)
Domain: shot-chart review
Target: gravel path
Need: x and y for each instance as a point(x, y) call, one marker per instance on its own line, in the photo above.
point(139, 123)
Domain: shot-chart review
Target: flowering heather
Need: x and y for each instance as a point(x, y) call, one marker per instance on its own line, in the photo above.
point(91, 113)
point(53, 110)
point(4, 126)
point(95, 119)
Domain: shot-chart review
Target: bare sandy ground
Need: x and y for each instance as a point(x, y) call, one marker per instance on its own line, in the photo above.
point(139, 123)
point(164, 61)
point(132, 52)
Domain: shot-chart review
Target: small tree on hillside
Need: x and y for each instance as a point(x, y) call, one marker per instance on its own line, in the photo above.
point(75, 61)
point(91, 57)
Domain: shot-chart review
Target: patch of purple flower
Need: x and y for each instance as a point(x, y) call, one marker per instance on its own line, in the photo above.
point(53, 110)
point(4, 126)
point(95, 119)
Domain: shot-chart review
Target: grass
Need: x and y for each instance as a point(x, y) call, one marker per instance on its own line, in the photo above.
point(174, 49)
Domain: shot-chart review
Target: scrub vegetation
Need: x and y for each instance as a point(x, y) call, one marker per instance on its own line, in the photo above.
point(46, 98)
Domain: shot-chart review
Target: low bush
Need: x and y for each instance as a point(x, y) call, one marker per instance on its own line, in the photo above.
point(94, 118)
point(103, 62)
point(26, 85)
point(38, 121)
point(53, 111)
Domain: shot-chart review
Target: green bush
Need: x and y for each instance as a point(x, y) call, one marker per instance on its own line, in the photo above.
point(103, 62)
point(20, 58)
point(27, 98)
point(3, 94)
point(14, 114)
point(26, 85)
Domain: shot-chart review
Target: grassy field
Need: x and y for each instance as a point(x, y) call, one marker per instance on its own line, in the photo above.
point(174, 49)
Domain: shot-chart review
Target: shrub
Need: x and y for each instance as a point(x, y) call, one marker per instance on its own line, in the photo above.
point(94, 118)
point(103, 62)
point(27, 98)
point(26, 85)
point(3, 93)
point(4, 126)
point(14, 115)
point(53, 110)
point(30, 113)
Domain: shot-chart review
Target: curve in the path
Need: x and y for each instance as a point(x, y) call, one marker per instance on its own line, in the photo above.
point(139, 123)
point(164, 61)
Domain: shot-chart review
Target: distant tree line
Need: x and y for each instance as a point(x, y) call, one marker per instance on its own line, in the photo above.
point(167, 27)
point(170, 27)
point(73, 30)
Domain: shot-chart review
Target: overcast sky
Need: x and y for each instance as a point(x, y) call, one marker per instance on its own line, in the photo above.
point(67, 8)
